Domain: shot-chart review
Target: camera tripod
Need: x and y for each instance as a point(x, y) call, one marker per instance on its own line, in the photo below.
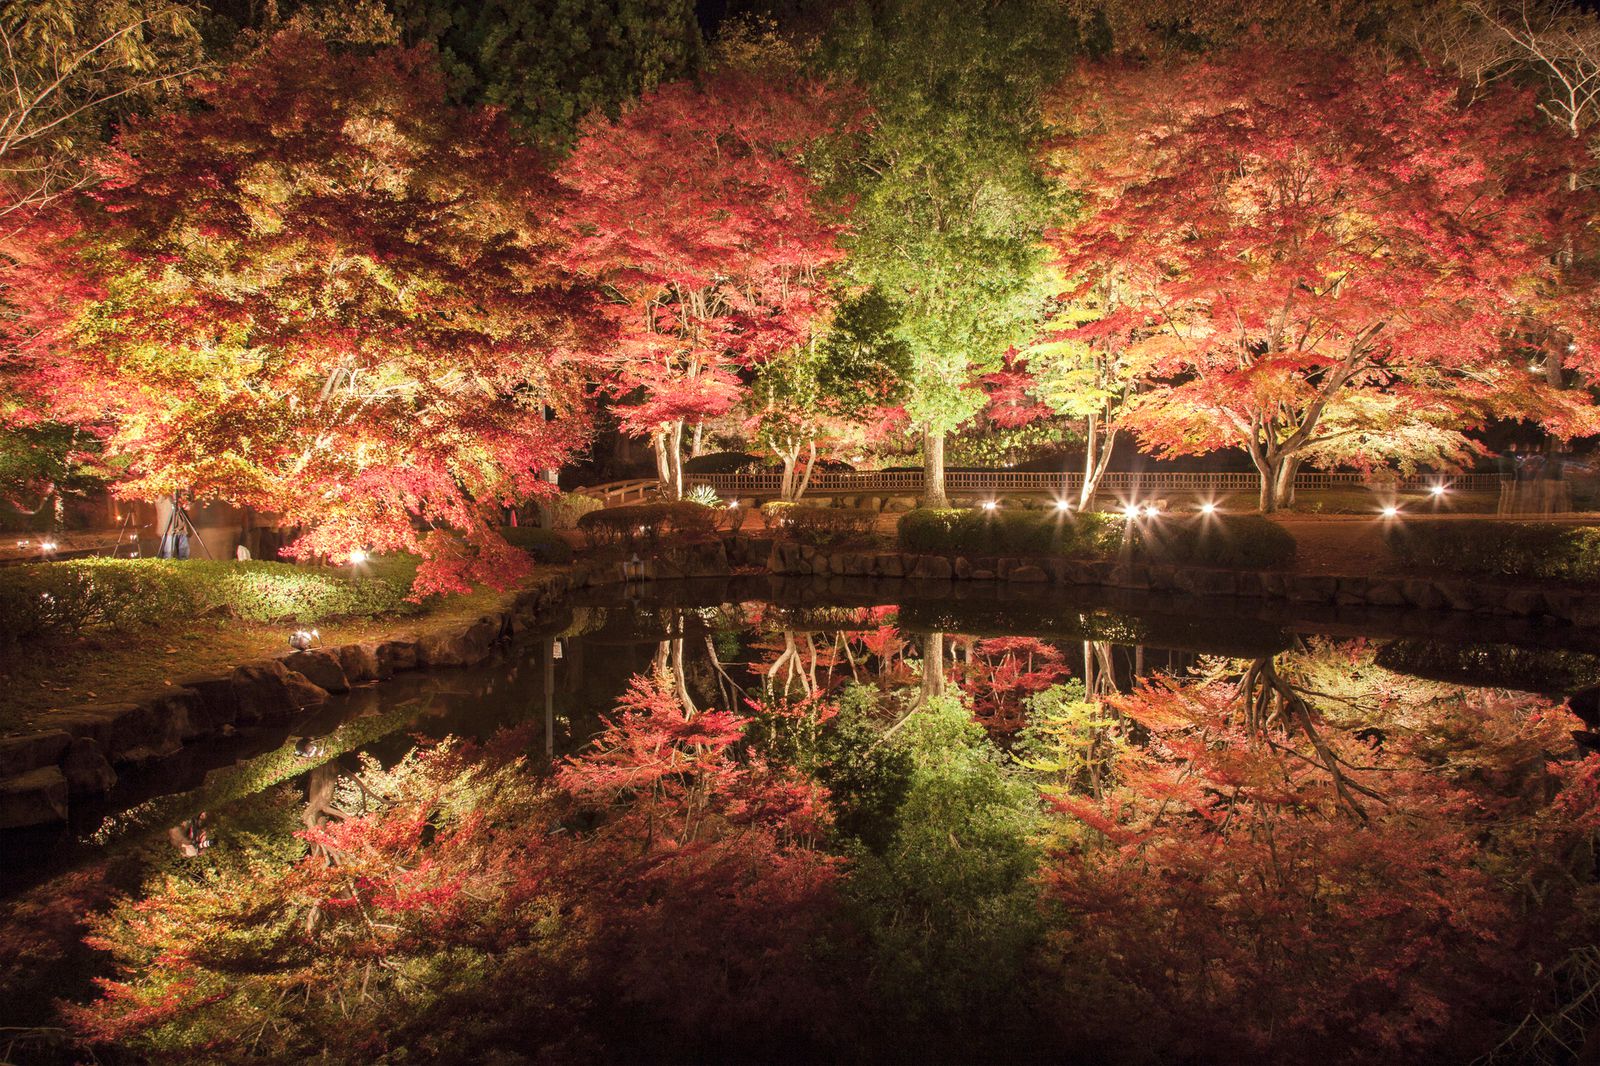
point(179, 524)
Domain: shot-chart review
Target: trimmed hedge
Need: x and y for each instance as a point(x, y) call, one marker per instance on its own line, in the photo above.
point(545, 545)
point(1209, 540)
point(646, 525)
point(821, 527)
point(65, 598)
point(978, 532)
point(1244, 541)
point(1539, 550)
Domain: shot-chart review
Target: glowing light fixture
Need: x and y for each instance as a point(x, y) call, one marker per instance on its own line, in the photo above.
point(1390, 511)
point(357, 557)
point(990, 505)
point(47, 546)
point(1151, 510)
point(1063, 505)
point(1131, 510)
point(1437, 490)
point(1208, 508)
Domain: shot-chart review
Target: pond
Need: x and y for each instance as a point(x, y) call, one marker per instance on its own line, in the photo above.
point(1022, 825)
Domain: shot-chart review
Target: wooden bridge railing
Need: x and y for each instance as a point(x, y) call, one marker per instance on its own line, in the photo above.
point(617, 493)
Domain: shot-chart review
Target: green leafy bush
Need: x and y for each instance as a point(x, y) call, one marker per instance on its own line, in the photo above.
point(722, 463)
point(772, 513)
point(820, 526)
point(1208, 540)
point(978, 532)
point(1249, 541)
point(647, 525)
point(545, 545)
point(66, 598)
point(1541, 550)
point(567, 508)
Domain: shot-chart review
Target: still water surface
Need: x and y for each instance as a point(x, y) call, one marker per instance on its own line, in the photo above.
point(727, 638)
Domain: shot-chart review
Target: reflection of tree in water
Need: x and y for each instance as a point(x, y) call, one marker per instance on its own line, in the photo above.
point(326, 801)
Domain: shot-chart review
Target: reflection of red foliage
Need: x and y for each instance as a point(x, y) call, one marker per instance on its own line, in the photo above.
point(1230, 885)
point(997, 675)
point(703, 874)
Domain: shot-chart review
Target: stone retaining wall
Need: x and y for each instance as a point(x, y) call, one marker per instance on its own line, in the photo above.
point(41, 773)
point(1568, 605)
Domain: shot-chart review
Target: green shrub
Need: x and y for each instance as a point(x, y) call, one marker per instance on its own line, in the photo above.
point(772, 514)
point(1540, 550)
point(704, 495)
point(1210, 540)
point(567, 508)
point(819, 526)
point(66, 598)
point(647, 525)
point(978, 532)
point(1249, 541)
point(722, 463)
point(545, 545)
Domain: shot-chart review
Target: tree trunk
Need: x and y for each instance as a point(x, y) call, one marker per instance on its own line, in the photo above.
point(1096, 457)
point(1277, 479)
point(811, 464)
point(1288, 468)
point(932, 666)
point(668, 444)
point(791, 458)
point(933, 470)
point(658, 443)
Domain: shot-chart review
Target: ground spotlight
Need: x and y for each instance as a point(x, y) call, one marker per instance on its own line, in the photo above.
point(357, 557)
point(1151, 510)
point(990, 505)
point(1390, 511)
point(1063, 505)
point(1208, 508)
point(1437, 490)
point(47, 545)
point(1131, 510)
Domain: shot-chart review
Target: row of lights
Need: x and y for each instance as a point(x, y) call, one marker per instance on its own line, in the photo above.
point(1150, 510)
point(1132, 510)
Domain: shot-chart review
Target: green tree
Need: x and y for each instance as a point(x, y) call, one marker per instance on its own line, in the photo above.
point(69, 66)
point(950, 201)
point(825, 392)
point(552, 62)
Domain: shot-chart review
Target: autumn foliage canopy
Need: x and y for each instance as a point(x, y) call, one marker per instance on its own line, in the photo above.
point(1319, 258)
point(696, 215)
point(318, 291)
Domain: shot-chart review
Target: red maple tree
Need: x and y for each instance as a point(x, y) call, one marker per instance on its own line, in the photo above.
point(695, 212)
point(319, 291)
point(1317, 258)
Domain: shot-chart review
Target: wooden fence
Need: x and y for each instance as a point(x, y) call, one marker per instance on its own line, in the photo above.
point(971, 482)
